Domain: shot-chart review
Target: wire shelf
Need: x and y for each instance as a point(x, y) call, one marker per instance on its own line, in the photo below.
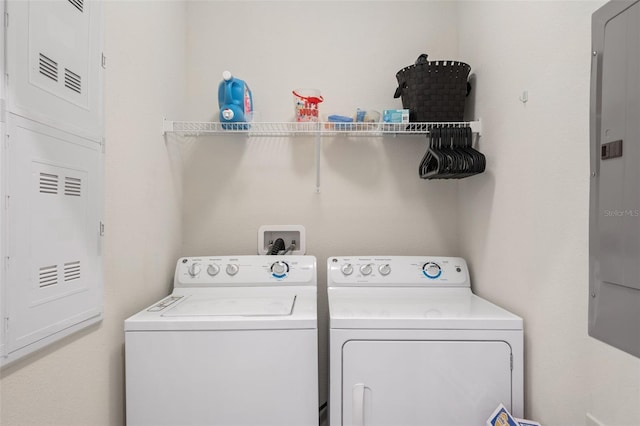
point(195, 128)
point(317, 130)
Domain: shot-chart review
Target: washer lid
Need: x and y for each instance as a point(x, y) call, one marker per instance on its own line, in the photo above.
point(209, 305)
point(227, 308)
point(416, 308)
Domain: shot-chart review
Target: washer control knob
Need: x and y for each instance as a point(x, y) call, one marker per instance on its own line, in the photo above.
point(347, 269)
point(232, 269)
point(194, 269)
point(384, 269)
point(366, 269)
point(213, 269)
point(279, 268)
point(431, 270)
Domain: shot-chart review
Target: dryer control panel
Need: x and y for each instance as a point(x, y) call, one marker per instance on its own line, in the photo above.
point(250, 271)
point(397, 271)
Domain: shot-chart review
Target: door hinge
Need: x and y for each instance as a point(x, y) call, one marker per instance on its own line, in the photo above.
point(103, 61)
point(101, 229)
point(511, 361)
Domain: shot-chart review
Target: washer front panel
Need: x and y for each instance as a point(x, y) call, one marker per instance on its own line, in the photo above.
point(248, 377)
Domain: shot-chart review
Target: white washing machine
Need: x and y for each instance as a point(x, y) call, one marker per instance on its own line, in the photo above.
point(410, 344)
point(234, 344)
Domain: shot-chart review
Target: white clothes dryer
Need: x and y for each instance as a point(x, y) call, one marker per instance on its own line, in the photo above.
point(410, 344)
point(234, 344)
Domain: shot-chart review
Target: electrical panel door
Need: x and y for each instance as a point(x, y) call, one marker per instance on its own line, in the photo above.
point(2, 183)
point(54, 238)
point(614, 286)
point(54, 52)
point(52, 173)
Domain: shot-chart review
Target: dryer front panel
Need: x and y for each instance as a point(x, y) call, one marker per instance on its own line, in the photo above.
point(436, 382)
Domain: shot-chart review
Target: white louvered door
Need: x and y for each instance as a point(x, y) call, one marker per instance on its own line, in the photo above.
point(52, 172)
point(54, 63)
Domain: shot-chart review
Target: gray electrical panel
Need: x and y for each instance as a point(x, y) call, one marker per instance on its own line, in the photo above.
point(614, 216)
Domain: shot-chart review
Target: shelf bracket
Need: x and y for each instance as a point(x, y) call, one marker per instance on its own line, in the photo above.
point(167, 126)
point(318, 153)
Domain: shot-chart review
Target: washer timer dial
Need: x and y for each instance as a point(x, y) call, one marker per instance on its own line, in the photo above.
point(279, 269)
point(431, 270)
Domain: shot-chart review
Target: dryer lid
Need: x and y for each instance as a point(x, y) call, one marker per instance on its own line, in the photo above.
point(209, 305)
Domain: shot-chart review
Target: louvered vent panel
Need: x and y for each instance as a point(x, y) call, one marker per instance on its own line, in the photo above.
point(72, 186)
point(72, 271)
point(48, 275)
point(72, 81)
point(78, 4)
point(48, 67)
point(48, 183)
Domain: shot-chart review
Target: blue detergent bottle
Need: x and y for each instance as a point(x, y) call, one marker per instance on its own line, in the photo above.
point(235, 102)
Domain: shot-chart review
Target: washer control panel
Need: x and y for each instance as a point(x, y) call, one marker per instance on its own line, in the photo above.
point(211, 271)
point(164, 303)
point(401, 271)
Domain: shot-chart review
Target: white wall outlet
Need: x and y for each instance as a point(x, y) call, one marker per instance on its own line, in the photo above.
point(293, 236)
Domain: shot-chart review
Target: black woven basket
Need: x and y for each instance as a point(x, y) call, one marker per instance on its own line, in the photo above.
point(434, 90)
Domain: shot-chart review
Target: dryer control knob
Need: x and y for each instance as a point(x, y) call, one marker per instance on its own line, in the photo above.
point(384, 269)
point(213, 269)
point(347, 269)
point(280, 268)
point(232, 269)
point(431, 270)
point(366, 269)
point(194, 269)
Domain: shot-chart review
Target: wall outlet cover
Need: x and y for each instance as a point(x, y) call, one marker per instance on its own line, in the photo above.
point(293, 236)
